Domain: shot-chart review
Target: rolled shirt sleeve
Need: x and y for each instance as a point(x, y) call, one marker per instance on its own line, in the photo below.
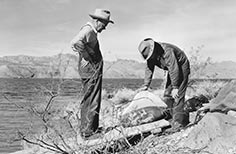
point(84, 42)
point(79, 41)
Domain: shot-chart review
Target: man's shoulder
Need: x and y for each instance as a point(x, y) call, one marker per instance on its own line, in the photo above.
point(86, 29)
point(166, 45)
point(85, 32)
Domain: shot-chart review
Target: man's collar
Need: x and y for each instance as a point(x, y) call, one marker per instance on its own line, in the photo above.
point(94, 29)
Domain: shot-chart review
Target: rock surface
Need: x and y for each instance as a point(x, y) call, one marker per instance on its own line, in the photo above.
point(215, 133)
point(227, 95)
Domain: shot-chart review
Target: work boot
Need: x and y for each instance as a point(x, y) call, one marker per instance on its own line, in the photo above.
point(175, 127)
point(179, 122)
point(169, 101)
point(182, 118)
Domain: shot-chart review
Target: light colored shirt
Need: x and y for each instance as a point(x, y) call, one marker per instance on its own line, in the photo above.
point(85, 41)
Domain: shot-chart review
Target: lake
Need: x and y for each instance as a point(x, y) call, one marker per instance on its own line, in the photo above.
point(17, 93)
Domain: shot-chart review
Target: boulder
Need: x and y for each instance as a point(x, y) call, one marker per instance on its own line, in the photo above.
point(225, 101)
point(215, 133)
point(227, 95)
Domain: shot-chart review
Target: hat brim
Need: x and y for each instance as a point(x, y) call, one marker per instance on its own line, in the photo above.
point(96, 17)
point(144, 45)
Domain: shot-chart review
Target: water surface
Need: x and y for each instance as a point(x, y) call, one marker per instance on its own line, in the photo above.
point(17, 93)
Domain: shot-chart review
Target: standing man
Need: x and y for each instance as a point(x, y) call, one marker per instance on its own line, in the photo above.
point(90, 68)
point(172, 59)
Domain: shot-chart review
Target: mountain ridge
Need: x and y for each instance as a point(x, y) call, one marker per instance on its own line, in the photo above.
point(65, 66)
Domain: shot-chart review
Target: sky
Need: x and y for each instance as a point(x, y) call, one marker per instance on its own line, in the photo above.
point(46, 27)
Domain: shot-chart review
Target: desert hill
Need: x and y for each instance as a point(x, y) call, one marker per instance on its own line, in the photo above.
point(65, 65)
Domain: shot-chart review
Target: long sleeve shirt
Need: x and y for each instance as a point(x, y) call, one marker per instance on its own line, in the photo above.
point(86, 44)
point(170, 58)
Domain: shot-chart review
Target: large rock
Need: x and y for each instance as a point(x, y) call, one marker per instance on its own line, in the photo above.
point(215, 133)
point(225, 100)
point(227, 95)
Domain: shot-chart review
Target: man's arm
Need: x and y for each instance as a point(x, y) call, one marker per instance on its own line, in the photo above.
point(81, 48)
point(79, 43)
point(148, 74)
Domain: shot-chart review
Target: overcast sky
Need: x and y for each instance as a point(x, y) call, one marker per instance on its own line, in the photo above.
point(46, 27)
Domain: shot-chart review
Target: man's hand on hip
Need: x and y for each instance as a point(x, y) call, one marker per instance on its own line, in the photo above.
point(175, 93)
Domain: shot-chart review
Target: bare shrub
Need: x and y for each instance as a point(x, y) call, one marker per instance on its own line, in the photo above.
point(123, 96)
point(55, 119)
point(208, 88)
point(198, 63)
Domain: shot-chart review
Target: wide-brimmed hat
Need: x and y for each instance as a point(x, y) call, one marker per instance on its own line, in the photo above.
point(102, 14)
point(146, 48)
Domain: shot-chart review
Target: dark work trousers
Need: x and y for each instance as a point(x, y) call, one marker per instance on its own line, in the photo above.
point(177, 107)
point(90, 105)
